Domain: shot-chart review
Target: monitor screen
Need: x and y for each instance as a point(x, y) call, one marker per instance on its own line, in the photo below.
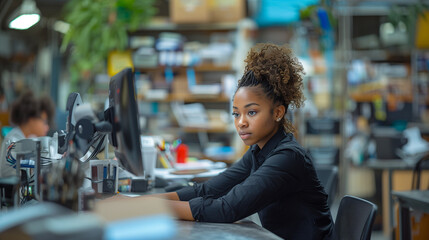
point(123, 115)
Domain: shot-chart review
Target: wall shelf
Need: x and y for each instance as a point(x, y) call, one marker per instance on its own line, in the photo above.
point(200, 27)
point(197, 68)
point(370, 97)
point(189, 98)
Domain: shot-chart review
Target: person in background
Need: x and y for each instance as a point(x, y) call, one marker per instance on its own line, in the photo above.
point(31, 117)
point(3, 102)
point(275, 177)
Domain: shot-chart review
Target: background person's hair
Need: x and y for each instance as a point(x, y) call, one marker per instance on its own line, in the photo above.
point(27, 106)
point(279, 73)
point(47, 106)
point(24, 108)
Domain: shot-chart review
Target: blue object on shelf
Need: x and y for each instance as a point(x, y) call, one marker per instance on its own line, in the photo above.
point(219, 153)
point(190, 73)
point(323, 19)
point(169, 76)
point(281, 12)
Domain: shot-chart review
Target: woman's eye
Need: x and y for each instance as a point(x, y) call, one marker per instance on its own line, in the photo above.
point(251, 113)
point(235, 115)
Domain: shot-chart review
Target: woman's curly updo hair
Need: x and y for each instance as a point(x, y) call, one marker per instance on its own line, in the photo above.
point(276, 69)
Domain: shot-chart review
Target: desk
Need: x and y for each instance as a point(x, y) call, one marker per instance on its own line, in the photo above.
point(240, 230)
point(87, 223)
point(244, 229)
point(388, 167)
point(166, 174)
point(417, 200)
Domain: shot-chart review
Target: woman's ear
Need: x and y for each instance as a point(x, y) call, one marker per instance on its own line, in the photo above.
point(279, 112)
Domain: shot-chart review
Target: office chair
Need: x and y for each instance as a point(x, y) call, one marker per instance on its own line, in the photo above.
point(415, 184)
point(354, 219)
point(328, 176)
point(8, 191)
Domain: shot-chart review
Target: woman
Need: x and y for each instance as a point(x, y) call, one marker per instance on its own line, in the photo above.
point(275, 178)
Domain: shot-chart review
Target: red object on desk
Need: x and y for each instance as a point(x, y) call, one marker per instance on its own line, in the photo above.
point(181, 153)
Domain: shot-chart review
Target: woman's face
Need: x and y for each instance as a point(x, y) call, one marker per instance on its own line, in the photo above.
point(40, 126)
point(254, 116)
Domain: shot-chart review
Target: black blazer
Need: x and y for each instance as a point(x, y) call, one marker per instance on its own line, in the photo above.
point(278, 182)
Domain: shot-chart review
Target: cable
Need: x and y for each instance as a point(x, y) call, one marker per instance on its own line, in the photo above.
point(96, 145)
point(9, 158)
point(94, 181)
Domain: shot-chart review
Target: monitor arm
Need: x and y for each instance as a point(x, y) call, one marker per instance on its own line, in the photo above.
point(73, 101)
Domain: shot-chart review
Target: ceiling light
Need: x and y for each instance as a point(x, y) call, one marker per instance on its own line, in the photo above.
point(26, 16)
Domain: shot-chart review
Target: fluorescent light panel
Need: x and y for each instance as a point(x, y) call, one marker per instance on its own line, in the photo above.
point(24, 21)
point(26, 16)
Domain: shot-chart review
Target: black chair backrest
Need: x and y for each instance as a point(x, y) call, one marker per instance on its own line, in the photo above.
point(415, 184)
point(354, 219)
point(8, 191)
point(328, 176)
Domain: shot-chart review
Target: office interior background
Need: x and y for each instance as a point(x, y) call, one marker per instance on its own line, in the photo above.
point(366, 82)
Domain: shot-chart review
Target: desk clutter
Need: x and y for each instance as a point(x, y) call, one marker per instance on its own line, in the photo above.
point(51, 203)
point(56, 177)
point(40, 177)
point(47, 190)
point(104, 175)
point(126, 219)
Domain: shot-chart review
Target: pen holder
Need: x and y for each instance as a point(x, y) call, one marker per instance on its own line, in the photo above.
point(104, 175)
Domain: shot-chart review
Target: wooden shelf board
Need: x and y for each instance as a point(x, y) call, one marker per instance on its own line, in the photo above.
point(367, 97)
point(198, 68)
point(189, 98)
point(197, 27)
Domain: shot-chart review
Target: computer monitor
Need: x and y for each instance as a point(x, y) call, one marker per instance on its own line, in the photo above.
point(123, 115)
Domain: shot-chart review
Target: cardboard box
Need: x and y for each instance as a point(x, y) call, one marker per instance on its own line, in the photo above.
point(180, 86)
point(227, 10)
point(189, 11)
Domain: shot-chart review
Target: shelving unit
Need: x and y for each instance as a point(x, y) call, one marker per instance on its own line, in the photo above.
point(420, 79)
point(408, 95)
point(160, 118)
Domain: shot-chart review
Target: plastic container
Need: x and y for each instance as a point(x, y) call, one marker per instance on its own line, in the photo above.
point(149, 155)
point(102, 170)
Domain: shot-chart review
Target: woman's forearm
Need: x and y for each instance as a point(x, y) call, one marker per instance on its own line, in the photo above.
point(182, 210)
point(168, 196)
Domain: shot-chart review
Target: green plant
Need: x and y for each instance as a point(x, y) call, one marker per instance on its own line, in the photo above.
point(408, 15)
point(98, 27)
